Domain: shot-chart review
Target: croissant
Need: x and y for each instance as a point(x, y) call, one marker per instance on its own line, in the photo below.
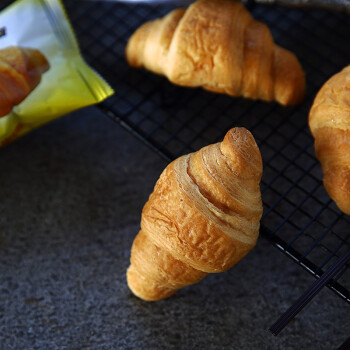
point(202, 217)
point(329, 122)
point(20, 73)
point(217, 45)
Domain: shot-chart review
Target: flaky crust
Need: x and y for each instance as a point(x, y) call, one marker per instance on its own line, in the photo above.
point(217, 45)
point(329, 121)
point(20, 73)
point(203, 216)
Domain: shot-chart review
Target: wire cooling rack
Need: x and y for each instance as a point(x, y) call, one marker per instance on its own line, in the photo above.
point(299, 217)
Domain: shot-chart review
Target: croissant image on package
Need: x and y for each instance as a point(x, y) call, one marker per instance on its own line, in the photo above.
point(217, 45)
point(329, 122)
point(202, 217)
point(20, 72)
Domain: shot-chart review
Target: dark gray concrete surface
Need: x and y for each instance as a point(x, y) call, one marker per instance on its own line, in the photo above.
point(71, 195)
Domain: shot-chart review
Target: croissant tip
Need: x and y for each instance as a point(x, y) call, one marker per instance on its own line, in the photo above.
point(337, 183)
point(240, 141)
point(240, 135)
point(239, 130)
point(37, 61)
point(145, 289)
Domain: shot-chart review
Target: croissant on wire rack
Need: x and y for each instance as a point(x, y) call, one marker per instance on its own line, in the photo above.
point(20, 73)
point(203, 216)
point(217, 45)
point(329, 121)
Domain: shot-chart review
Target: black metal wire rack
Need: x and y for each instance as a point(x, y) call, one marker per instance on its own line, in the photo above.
point(299, 217)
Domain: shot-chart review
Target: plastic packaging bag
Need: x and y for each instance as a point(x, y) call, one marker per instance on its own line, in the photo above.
point(65, 84)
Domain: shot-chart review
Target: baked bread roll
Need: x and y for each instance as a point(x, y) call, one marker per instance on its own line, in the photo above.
point(329, 121)
point(217, 45)
point(20, 73)
point(203, 216)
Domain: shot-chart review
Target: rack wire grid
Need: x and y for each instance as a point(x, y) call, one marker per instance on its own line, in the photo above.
point(299, 217)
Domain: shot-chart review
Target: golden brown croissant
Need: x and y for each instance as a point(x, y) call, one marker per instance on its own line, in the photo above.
point(329, 121)
point(20, 73)
point(203, 216)
point(217, 45)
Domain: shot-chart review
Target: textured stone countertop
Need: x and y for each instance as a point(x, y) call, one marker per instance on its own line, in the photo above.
point(71, 195)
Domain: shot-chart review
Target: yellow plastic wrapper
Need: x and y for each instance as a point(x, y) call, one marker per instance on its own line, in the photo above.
point(42, 73)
